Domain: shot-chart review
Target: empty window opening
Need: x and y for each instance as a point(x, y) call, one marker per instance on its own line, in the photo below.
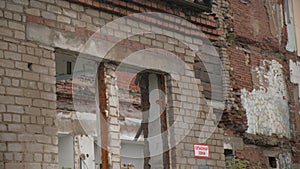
point(69, 67)
point(272, 162)
point(229, 157)
point(228, 154)
point(79, 150)
point(142, 116)
point(64, 71)
point(65, 63)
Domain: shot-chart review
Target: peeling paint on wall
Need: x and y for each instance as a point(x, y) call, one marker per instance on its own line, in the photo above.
point(267, 105)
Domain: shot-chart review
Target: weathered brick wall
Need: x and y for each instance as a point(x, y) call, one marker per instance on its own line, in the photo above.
point(30, 30)
point(257, 32)
point(28, 99)
point(260, 26)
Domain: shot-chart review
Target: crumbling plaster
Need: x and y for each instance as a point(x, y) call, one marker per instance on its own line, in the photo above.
point(267, 105)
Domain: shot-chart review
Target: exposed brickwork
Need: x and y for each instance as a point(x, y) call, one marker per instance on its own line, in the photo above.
point(255, 34)
point(28, 102)
point(29, 76)
point(244, 32)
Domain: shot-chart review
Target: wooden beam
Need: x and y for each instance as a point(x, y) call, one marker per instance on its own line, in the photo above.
point(103, 117)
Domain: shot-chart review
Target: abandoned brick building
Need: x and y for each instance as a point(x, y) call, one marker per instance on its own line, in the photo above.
point(142, 83)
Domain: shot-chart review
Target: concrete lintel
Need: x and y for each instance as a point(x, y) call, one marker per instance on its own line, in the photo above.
point(54, 38)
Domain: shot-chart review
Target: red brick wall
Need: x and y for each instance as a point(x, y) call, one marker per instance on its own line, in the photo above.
point(249, 32)
point(251, 24)
point(241, 72)
point(244, 16)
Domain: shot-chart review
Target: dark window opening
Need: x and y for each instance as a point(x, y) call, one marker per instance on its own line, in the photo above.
point(69, 68)
point(142, 116)
point(228, 153)
point(229, 157)
point(272, 162)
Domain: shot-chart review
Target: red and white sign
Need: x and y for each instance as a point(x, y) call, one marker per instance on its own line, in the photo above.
point(201, 150)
